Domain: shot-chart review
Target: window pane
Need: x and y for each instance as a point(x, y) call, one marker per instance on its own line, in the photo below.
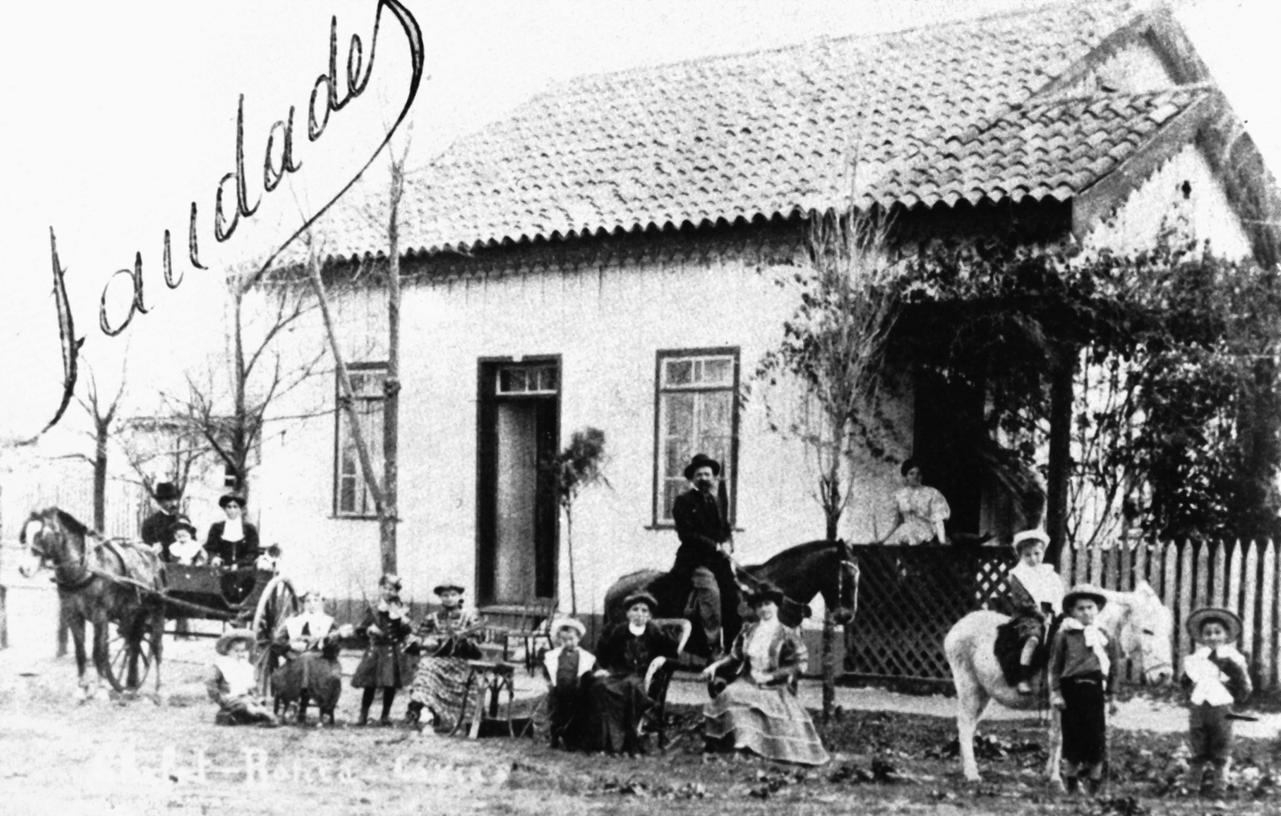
point(679, 415)
point(352, 494)
point(718, 371)
point(547, 378)
point(678, 372)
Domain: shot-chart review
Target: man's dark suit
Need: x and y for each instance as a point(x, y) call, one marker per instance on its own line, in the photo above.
point(701, 526)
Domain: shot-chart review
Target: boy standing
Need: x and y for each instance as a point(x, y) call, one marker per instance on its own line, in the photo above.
point(1083, 663)
point(566, 667)
point(1215, 676)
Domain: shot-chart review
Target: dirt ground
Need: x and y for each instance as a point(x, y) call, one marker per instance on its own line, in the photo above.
point(140, 757)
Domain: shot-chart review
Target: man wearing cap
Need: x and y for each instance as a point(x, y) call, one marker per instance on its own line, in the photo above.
point(704, 532)
point(157, 528)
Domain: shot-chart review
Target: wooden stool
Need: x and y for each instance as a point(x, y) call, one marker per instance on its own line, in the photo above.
point(492, 677)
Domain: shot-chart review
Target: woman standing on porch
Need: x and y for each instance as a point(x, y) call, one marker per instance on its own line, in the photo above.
point(921, 510)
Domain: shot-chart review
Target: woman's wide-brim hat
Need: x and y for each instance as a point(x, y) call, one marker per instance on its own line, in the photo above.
point(445, 586)
point(569, 623)
point(701, 460)
point(641, 597)
point(231, 636)
point(1023, 538)
point(167, 491)
point(228, 498)
point(1084, 591)
point(765, 592)
point(1230, 620)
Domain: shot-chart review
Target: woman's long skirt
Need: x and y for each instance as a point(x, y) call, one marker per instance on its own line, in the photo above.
point(770, 722)
point(615, 708)
point(438, 685)
point(1084, 724)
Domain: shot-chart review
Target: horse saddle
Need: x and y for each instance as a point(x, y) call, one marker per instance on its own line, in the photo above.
point(1008, 649)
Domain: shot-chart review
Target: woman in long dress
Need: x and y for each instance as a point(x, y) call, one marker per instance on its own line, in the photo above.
point(757, 710)
point(310, 642)
point(616, 698)
point(447, 640)
point(921, 510)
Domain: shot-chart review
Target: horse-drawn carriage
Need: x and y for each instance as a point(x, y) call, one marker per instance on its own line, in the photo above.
point(128, 594)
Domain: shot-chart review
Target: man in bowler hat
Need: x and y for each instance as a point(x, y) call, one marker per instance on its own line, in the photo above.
point(704, 532)
point(158, 528)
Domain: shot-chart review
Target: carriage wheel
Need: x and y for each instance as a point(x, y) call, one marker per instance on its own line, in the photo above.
point(118, 656)
point(277, 602)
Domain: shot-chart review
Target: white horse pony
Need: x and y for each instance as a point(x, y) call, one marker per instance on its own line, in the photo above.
point(1137, 620)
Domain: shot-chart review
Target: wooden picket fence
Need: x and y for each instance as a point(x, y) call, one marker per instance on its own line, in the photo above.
point(910, 596)
point(1240, 576)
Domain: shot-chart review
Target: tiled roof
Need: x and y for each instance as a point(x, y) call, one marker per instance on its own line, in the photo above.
point(929, 117)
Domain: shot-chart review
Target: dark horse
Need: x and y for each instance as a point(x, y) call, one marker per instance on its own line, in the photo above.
point(103, 582)
point(802, 571)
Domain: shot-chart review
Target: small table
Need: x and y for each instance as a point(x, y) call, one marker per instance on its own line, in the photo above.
point(486, 676)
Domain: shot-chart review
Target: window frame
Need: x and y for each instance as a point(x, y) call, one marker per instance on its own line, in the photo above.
point(658, 518)
point(339, 419)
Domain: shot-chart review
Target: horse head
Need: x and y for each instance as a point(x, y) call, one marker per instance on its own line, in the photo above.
point(46, 540)
point(1145, 631)
point(842, 597)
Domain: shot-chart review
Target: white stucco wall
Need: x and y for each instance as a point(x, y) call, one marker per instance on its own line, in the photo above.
point(1204, 214)
point(607, 325)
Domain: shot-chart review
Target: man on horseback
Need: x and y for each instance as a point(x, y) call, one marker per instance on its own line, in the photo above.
point(705, 534)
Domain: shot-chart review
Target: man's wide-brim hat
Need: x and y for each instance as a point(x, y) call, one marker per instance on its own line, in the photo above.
point(701, 460)
point(569, 623)
point(1084, 591)
point(1230, 620)
point(1024, 538)
point(765, 592)
point(166, 491)
point(228, 498)
point(223, 646)
point(641, 597)
point(445, 586)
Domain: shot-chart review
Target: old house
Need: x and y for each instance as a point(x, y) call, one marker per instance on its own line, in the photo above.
point(606, 256)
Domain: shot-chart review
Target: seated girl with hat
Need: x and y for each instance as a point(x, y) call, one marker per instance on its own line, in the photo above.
point(1035, 597)
point(447, 639)
point(310, 641)
point(232, 685)
point(758, 711)
point(566, 666)
point(185, 549)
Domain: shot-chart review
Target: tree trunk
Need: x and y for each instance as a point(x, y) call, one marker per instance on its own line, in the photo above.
point(391, 385)
point(100, 478)
point(832, 511)
point(238, 437)
point(1060, 465)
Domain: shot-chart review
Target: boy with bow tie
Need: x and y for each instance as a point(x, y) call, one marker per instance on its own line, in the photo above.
point(1083, 662)
point(567, 665)
point(1215, 676)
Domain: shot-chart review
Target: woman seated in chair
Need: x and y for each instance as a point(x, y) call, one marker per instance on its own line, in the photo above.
point(616, 696)
point(447, 639)
point(758, 711)
point(309, 642)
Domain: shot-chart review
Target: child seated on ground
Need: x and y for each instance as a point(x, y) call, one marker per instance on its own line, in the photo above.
point(566, 667)
point(1215, 676)
point(231, 682)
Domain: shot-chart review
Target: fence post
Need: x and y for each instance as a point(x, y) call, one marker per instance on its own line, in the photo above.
point(1267, 617)
point(1248, 609)
point(1185, 595)
point(1220, 568)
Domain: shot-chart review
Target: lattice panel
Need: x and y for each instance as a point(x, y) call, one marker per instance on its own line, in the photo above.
point(909, 597)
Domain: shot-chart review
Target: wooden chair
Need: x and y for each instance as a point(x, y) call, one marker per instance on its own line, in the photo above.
point(528, 625)
point(659, 676)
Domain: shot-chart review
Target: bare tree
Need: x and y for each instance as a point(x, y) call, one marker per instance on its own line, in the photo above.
point(832, 355)
point(102, 411)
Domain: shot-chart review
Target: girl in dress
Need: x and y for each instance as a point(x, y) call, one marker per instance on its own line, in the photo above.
point(1035, 597)
point(310, 641)
point(387, 626)
point(758, 711)
point(447, 639)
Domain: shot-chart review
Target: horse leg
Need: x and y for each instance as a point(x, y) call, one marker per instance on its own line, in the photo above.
point(76, 624)
point(157, 635)
point(101, 628)
point(971, 701)
point(1052, 764)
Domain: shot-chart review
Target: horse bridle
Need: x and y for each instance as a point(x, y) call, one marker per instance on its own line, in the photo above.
point(82, 573)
